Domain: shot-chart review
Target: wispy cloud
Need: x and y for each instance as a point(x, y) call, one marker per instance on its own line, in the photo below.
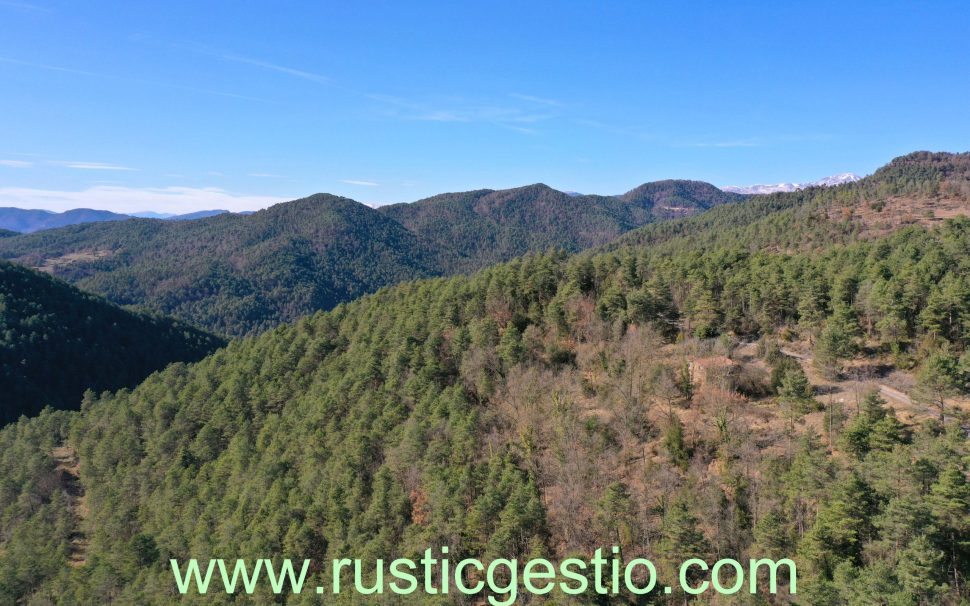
point(464, 112)
point(537, 100)
point(736, 143)
point(451, 110)
point(519, 129)
point(24, 6)
point(359, 182)
point(482, 113)
point(763, 140)
point(81, 72)
point(53, 68)
point(92, 165)
point(290, 71)
point(623, 131)
point(130, 199)
point(16, 163)
point(267, 176)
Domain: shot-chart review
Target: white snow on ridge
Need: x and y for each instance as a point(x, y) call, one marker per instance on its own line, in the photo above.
point(837, 179)
point(830, 181)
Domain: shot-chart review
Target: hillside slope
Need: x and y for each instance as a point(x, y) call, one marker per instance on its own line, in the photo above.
point(921, 188)
point(546, 406)
point(56, 342)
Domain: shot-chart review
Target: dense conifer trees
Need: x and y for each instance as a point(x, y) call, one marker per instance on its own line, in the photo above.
point(549, 405)
point(56, 342)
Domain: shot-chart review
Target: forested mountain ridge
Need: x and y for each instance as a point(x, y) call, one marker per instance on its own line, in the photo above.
point(235, 273)
point(922, 188)
point(484, 227)
point(56, 342)
point(677, 197)
point(238, 274)
point(542, 407)
point(488, 226)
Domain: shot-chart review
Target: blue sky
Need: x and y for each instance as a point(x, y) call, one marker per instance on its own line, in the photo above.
point(177, 106)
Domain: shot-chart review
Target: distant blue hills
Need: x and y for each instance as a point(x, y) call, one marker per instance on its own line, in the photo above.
point(30, 220)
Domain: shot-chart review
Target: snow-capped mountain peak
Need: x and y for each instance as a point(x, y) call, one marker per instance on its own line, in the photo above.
point(838, 179)
point(830, 181)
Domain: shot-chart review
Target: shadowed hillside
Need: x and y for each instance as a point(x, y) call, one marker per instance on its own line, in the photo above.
point(56, 342)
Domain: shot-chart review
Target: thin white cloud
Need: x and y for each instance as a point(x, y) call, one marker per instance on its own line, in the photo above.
point(623, 131)
point(484, 113)
point(16, 163)
point(268, 176)
point(299, 73)
point(176, 200)
point(359, 182)
point(92, 165)
point(519, 129)
point(738, 143)
point(24, 6)
point(81, 72)
point(441, 115)
point(53, 68)
point(462, 111)
point(454, 110)
point(537, 100)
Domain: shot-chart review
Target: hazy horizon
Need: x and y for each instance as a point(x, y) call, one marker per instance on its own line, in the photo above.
point(126, 110)
point(178, 201)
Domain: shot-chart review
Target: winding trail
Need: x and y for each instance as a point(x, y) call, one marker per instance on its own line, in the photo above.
point(68, 472)
point(893, 396)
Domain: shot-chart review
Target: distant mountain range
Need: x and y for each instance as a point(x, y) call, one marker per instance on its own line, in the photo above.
point(672, 199)
point(201, 214)
point(788, 187)
point(236, 274)
point(30, 220)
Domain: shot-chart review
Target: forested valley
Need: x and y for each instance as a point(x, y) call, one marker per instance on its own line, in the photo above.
point(56, 342)
point(724, 385)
